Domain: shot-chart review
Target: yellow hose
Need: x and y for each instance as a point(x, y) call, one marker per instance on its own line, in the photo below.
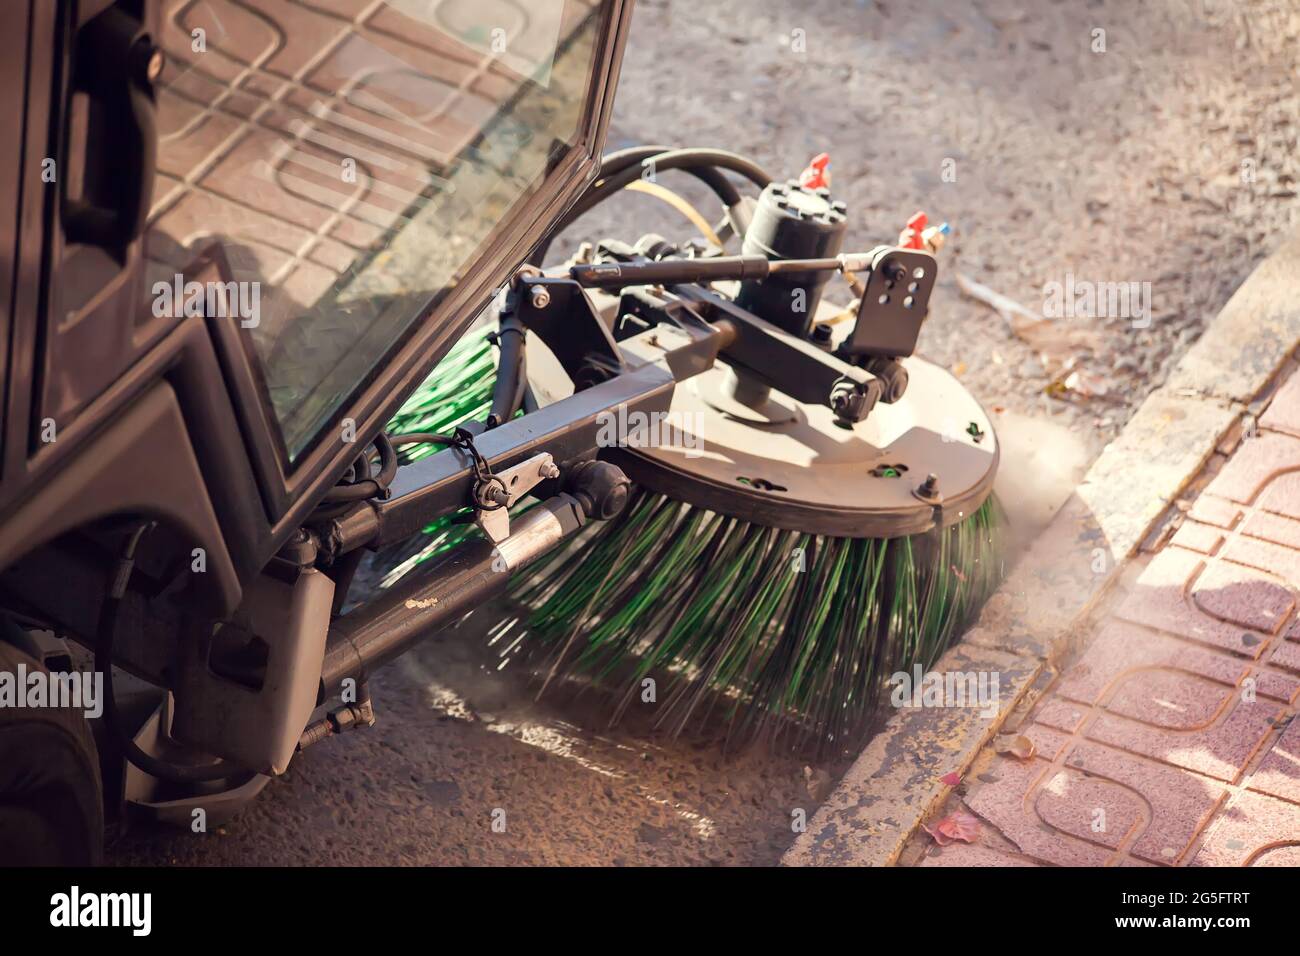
point(680, 204)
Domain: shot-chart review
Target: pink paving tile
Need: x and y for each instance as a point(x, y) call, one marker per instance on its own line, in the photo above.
point(1120, 648)
point(1273, 579)
point(1179, 803)
point(1286, 654)
point(1170, 700)
point(1283, 413)
point(1246, 596)
point(1195, 536)
point(1271, 527)
point(1282, 495)
point(1253, 465)
point(1063, 715)
point(1216, 511)
point(1220, 750)
point(1050, 813)
point(1090, 808)
point(1003, 804)
point(1159, 600)
point(1279, 772)
point(1048, 743)
point(972, 854)
point(1253, 830)
point(1287, 855)
point(1271, 683)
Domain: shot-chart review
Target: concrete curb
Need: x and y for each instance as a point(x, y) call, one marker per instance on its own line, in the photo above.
point(1027, 626)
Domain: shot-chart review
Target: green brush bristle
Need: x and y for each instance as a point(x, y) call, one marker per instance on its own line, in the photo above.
point(459, 389)
point(792, 632)
point(796, 633)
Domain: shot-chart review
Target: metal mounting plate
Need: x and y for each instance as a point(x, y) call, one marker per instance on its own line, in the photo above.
point(518, 481)
point(812, 474)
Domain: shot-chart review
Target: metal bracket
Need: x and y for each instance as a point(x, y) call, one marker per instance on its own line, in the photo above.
point(559, 312)
point(894, 303)
point(518, 481)
point(786, 362)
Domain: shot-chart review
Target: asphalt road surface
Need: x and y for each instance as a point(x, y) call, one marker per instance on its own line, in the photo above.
point(1122, 164)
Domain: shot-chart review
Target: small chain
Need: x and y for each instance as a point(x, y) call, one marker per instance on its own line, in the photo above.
point(463, 439)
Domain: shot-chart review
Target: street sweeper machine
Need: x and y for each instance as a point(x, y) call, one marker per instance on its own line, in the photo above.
point(295, 304)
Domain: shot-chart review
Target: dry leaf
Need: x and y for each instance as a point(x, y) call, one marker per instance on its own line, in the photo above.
point(950, 779)
point(1017, 745)
point(958, 825)
point(1070, 381)
point(818, 783)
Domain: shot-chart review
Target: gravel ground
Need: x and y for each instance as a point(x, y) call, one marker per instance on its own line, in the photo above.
point(1170, 158)
point(1167, 159)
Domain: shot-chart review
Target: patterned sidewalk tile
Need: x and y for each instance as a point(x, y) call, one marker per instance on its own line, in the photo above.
point(1194, 536)
point(1259, 462)
point(1253, 830)
point(1160, 599)
point(1216, 511)
point(1122, 651)
point(1003, 805)
point(1101, 801)
point(1220, 750)
point(1173, 739)
point(1283, 414)
point(1279, 772)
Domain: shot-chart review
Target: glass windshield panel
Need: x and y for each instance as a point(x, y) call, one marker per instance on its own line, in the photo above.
point(348, 159)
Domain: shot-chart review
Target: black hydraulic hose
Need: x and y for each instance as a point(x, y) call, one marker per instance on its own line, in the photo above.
point(623, 167)
point(687, 160)
point(106, 632)
point(368, 487)
point(618, 162)
point(512, 375)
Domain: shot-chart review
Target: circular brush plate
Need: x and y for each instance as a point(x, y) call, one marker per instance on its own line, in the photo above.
point(809, 473)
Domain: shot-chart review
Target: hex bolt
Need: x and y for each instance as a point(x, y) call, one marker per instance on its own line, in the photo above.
point(540, 297)
point(549, 470)
point(929, 489)
point(492, 492)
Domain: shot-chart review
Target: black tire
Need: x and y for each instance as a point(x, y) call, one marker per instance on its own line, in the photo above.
point(51, 800)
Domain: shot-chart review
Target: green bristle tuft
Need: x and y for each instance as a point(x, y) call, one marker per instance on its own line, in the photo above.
point(789, 633)
point(774, 631)
point(458, 389)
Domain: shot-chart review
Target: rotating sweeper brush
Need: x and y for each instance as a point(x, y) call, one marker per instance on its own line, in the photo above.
point(811, 507)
